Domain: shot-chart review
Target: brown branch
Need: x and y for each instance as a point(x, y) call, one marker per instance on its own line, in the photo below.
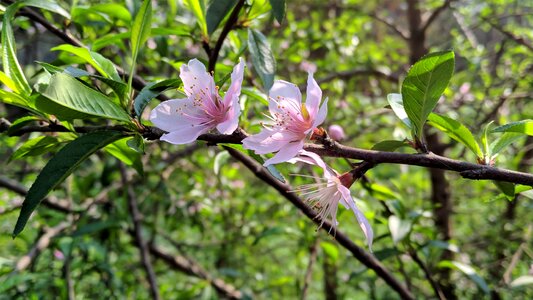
point(137, 228)
point(435, 14)
point(232, 20)
point(313, 253)
point(191, 268)
point(390, 25)
point(285, 190)
point(427, 274)
point(41, 244)
point(517, 39)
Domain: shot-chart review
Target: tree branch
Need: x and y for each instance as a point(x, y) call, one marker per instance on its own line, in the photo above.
point(435, 14)
point(139, 240)
point(285, 190)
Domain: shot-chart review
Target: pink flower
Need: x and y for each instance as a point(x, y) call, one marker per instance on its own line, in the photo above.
point(329, 192)
point(292, 121)
point(203, 109)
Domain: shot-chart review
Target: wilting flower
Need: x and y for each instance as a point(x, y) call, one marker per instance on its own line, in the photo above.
point(292, 121)
point(328, 192)
point(203, 109)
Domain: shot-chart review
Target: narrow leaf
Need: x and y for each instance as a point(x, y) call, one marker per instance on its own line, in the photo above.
point(198, 8)
point(262, 57)
point(278, 9)
point(68, 92)
point(456, 131)
point(503, 141)
point(389, 145)
point(36, 146)
point(140, 31)
point(103, 65)
point(524, 127)
point(152, 90)
point(122, 151)
point(59, 168)
point(216, 12)
point(507, 188)
point(425, 82)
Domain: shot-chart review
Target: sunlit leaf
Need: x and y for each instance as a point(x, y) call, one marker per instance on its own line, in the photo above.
point(152, 90)
point(425, 82)
point(456, 131)
point(524, 127)
point(396, 103)
point(468, 271)
point(36, 146)
point(198, 8)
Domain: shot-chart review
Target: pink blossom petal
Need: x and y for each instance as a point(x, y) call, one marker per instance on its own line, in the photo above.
point(196, 80)
point(314, 96)
point(269, 140)
point(363, 222)
point(185, 135)
point(287, 152)
point(313, 159)
point(322, 113)
point(234, 91)
point(232, 120)
point(284, 96)
point(174, 114)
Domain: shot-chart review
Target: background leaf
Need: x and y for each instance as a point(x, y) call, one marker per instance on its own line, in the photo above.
point(152, 90)
point(524, 127)
point(198, 8)
point(262, 57)
point(425, 82)
point(278, 8)
point(216, 12)
point(396, 103)
point(59, 168)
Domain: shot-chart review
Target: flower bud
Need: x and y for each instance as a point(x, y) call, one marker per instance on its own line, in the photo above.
point(336, 133)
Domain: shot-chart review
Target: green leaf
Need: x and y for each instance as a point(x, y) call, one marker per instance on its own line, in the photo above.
point(136, 144)
point(8, 82)
point(456, 131)
point(278, 8)
point(468, 271)
point(399, 229)
point(389, 145)
point(152, 90)
point(198, 9)
point(216, 12)
point(503, 141)
point(524, 127)
point(330, 250)
point(103, 65)
point(9, 52)
point(262, 57)
point(140, 31)
point(122, 151)
point(507, 188)
point(47, 5)
point(36, 146)
point(59, 168)
point(396, 103)
point(20, 123)
point(220, 159)
point(521, 281)
point(65, 91)
point(425, 82)
point(13, 99)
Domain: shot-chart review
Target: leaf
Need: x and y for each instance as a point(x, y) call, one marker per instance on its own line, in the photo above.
point(220, 159)
point(13, 99)
point(468, 271)
point(399, 229)
point(396, 103)
point(524, 127)
point(152, 90)
point(389, 145)
point(521, 281)
point(59, 168)
point(198, 9)
point(140, 31)
point(36, 146)
point(262, 57)
point(8, 82)
point(136, 144)
point(103, 65)
point(503, 141)
point(330, 250)
point(216, 12)
point(456, 131)
point(67, 92)
point(20, 123)
point(507, 188)
point(126, 154)
point(278, 9)
point(425, 82)
point(47, 5)
point(9, 52)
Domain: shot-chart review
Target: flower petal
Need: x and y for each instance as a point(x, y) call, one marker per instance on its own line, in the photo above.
point(322, 113)
point(286, 152)
point(186, 135)
point(284, 96)
point(363, 222)
point(269, 140)
point(174, 114)
point(196, 80)
point(234, 91)
point(314, 96)
point(232, 119)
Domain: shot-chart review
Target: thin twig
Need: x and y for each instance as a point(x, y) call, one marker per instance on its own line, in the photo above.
point(427, 273)
point(137, 227)
point(313, 253)
point(435, 14)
